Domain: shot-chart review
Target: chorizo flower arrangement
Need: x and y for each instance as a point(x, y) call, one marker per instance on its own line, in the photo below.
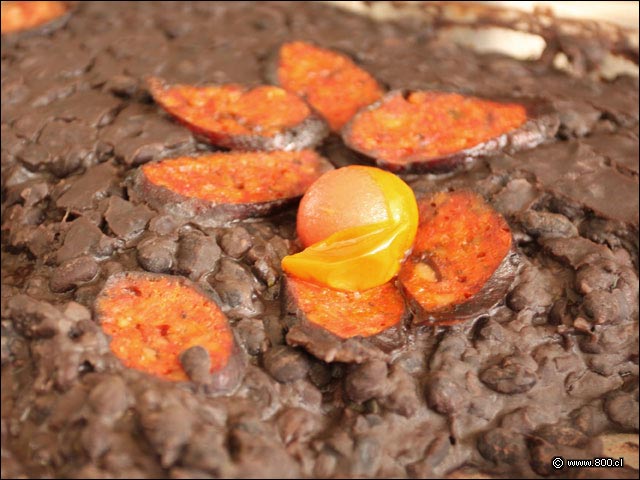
point(372, 253)
point(451, 254)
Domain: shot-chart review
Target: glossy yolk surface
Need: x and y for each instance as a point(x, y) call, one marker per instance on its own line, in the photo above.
point(360, 257)
point(239, 177)
point(232, 109)
point(430, 125)
point(334, 85)
point(340, 199)
point(151, 320)
point(460, 243)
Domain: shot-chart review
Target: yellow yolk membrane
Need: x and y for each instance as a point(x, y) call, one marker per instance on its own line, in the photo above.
point(366, 256)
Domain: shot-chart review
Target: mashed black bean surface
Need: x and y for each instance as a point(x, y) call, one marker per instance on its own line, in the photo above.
point(551, 371)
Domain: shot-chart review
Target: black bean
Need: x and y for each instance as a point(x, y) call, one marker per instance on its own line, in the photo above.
point(366, 381)
point(509, 377)
point(196, 362)
point(235, 242)
point(286, 364)
point(502, 446)
point(197, 255)
point(73, 273)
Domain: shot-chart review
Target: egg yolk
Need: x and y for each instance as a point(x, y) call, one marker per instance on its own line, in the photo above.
point(358, 224)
